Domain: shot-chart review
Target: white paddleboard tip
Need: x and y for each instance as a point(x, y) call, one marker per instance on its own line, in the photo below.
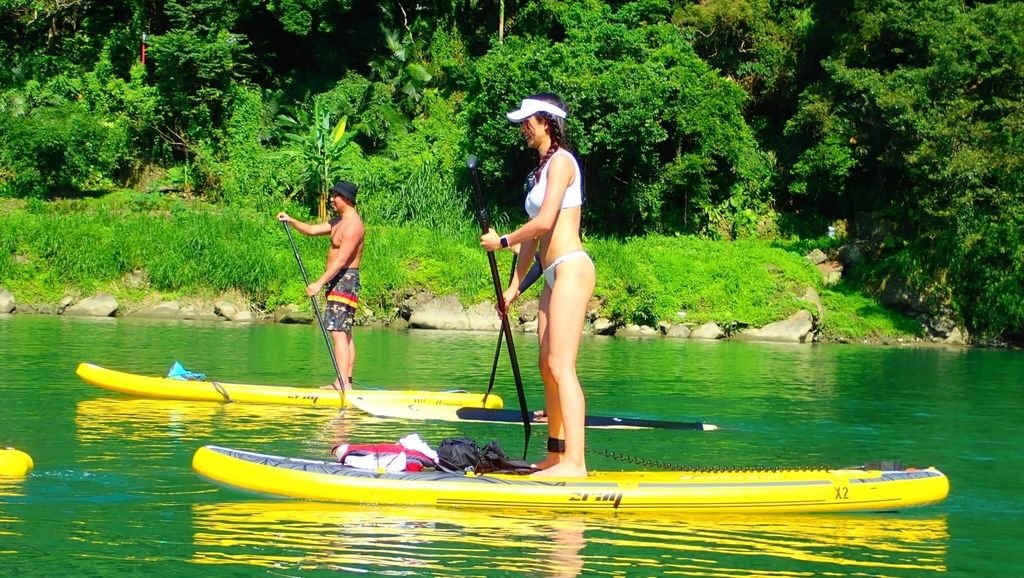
point(709, 427)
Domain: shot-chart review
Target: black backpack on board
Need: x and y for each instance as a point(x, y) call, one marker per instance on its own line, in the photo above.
point(464, 455)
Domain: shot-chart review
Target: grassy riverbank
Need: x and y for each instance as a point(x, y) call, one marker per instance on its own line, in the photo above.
point(182, 250)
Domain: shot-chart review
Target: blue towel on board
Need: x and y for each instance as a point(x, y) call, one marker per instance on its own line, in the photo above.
point(177, 371)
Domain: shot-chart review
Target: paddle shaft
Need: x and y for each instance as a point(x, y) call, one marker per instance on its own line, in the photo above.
point(531, 277)
point(316, 309)
point(497, 349)
point(485, 225)
point(593, 421)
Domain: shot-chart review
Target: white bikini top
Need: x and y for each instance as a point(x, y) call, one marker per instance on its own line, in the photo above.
point(573, 194)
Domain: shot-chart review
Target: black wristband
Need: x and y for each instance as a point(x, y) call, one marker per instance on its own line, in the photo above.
point(504, 242)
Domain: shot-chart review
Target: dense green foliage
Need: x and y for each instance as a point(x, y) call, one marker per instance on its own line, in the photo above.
point(183, 248)
point(903, 120)
point(186, 249)
point(665, 144)
point(685, 278)
point(919, 119)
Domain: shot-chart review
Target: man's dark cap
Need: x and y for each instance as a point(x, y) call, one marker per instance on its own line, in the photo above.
point(345, 189)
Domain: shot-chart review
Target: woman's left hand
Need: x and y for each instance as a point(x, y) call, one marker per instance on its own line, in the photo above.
point(509, 296)
point(490, 240)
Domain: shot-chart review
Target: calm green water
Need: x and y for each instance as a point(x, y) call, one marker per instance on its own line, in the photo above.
point(113, 493)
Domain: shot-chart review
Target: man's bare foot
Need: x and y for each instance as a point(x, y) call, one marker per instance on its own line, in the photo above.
point(550, 460)
point(563, 469)
point(336, 387)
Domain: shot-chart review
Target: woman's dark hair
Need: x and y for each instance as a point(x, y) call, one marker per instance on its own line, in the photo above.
point(559, 140)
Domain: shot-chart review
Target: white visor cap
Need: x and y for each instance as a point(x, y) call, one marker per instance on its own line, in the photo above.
point(530, 107)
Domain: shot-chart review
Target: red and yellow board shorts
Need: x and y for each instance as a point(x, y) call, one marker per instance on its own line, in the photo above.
point(342, 299)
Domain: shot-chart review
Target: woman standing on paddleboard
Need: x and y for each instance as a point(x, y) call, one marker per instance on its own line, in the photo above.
point(554, 202)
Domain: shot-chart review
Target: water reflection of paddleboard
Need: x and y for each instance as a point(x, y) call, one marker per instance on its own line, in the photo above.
point(378, 540)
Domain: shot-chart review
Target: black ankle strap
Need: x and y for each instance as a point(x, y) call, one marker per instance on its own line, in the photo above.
point(556, 446)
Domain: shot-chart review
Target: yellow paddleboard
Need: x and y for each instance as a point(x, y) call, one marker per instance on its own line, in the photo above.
point(203, 390)
point(741, 491)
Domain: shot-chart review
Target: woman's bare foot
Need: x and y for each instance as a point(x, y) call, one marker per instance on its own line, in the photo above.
point(563, 469)
point(550, 460)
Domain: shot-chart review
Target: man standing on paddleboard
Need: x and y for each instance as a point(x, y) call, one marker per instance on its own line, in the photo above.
point(340, 280)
